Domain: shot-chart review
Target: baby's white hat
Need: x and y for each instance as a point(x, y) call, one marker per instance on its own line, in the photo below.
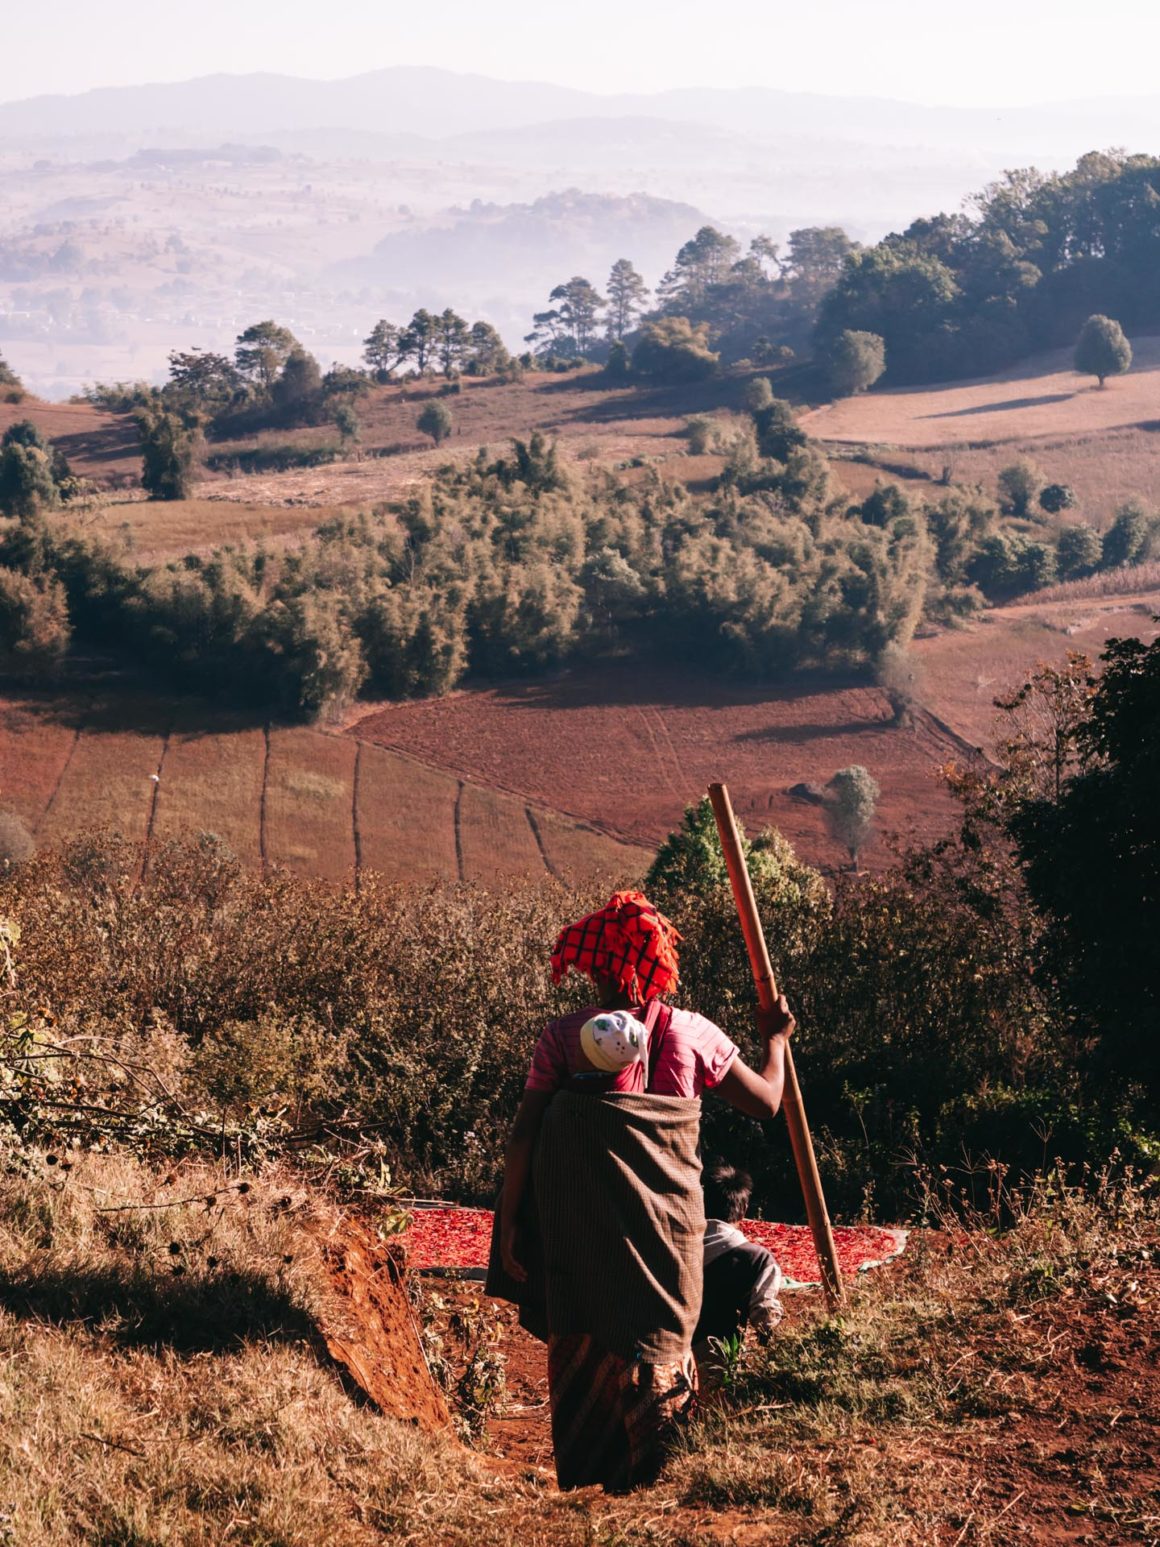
point(614, 1039)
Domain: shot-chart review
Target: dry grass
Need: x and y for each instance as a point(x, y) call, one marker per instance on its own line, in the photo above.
point(497, 838)
point(965, 670)
point(168, 528)
point(1004, 1390)
point(1141, 581)
point(213, 784)
point(1043, 396)
point(159, 1396)
point(308, 803)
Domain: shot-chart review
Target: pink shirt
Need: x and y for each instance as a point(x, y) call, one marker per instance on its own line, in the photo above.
point(694, 1055)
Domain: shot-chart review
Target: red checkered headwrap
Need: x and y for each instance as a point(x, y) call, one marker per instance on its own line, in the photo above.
point(628, 940)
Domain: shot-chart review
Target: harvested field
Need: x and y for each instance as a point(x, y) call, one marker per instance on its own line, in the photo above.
point(965, 670)
point(213, 784)
point(307, 807)
point(158, 529)
point(34, 752)
point(496, 838)
point(106, 783)
point(406, 817)
point(319, 804)
point(628, 749)
point(1041, 397)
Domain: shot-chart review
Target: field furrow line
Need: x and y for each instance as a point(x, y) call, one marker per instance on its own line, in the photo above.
point(64, 768)
point(459, 831)
point(153, 804)
point(356, 831)
point(658, 759)
point(678, 767)
point(262, 801)
point(536, 834)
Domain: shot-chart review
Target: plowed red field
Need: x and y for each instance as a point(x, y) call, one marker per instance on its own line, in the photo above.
point(627, 750)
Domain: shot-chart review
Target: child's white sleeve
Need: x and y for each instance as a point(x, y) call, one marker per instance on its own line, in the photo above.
point(764, 1305)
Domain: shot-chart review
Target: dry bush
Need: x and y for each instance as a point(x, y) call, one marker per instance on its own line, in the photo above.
point(1112, 582)
point(874, 1427)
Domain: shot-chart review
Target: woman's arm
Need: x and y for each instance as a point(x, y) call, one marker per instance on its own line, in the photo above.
point(757, 1092)
point(516, 1168)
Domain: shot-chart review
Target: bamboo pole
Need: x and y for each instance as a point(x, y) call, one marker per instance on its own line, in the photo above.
point(795, 1113)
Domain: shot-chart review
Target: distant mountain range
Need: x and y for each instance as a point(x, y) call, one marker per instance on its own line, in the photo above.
point(440, 105)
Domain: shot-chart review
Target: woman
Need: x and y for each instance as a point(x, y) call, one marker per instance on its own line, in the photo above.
point(618, 1211)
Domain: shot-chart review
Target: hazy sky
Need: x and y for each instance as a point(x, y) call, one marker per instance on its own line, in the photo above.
point(984, 52)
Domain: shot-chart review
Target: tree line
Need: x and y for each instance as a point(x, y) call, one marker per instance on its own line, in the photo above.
point(515, 564)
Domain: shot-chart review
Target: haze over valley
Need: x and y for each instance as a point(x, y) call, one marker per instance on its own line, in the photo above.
point(134, 220)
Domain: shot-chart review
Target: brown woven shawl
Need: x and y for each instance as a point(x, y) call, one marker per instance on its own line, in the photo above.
point(616, 1231)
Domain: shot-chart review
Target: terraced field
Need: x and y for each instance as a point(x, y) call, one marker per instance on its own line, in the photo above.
point(319, 804)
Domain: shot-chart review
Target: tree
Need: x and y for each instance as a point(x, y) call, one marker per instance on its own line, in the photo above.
point(1018, 486)
point(627, 294)
point(1079, 551)
point(300, 384)
point(34, 624)
point(673, 349)
point(10, 384)
point(27, 483)
point(851, 802)
point(1056, 497)
point(778, 432)
point(702, 262)
point(170, 448)
point(899, 674)
point(571, 322)
point(435, 421)
point(856, 361)
point(419, 340)
point(381, 348)
point(451, 340)
point(1126, 540)
point(1091, 856)
point(262, 350)
point(486, 351)
point(617, 365)
point(817, 256)
point(346, 422)
point(690, 862)
point(1101, 349)
point(202, 378)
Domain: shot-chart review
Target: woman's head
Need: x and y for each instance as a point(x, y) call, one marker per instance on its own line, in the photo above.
point(628, 948)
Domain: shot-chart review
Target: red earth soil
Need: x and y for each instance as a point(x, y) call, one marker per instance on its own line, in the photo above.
point(369, 1329)
point(627, 748)
point(459, 1238)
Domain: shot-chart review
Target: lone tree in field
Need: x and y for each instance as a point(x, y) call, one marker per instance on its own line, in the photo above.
point(436, 421)
point(851, 801)
point(170, 448)
point(1101, 349)
point(856, 361)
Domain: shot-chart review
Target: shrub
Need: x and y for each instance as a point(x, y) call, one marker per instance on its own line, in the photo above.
point(1019, 484)
point(674, 349)
point(435, 420)
point(1056, 497)
point(856, 361)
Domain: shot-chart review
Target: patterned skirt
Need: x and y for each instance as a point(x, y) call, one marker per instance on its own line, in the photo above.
point(613, 1419)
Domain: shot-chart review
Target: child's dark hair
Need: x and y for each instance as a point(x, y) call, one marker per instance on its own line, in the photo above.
point(727, 1190)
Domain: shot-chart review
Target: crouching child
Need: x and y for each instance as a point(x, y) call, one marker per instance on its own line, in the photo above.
point(742, 1280)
